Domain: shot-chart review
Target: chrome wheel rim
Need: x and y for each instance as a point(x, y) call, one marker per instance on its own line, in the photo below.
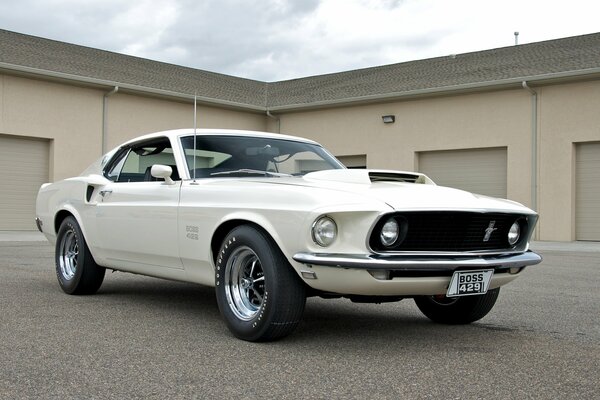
point(244, 283)
point(68, 254)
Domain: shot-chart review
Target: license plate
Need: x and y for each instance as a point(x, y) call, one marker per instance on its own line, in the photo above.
point(469, 283)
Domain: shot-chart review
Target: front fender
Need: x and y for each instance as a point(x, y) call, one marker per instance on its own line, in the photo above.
point(288, 227)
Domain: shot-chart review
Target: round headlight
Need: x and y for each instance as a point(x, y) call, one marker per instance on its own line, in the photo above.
point(514, 233)
point(389, 232)
point(324, 231)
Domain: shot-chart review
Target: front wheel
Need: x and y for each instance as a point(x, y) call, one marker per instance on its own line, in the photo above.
point(457, 310)
point(260, 296)
point(76, 270)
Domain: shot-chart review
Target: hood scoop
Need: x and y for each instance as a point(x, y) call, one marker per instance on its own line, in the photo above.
point(368, 176)
point(397, 176)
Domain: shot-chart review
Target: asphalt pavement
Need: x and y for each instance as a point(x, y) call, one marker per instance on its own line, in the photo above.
point(148, 338)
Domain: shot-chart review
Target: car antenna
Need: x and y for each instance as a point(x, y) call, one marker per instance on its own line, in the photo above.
point(194, 152)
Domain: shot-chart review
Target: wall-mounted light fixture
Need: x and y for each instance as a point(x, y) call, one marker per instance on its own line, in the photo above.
point(388, 119)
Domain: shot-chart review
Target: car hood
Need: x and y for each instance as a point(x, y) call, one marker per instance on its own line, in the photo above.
point(401, 190)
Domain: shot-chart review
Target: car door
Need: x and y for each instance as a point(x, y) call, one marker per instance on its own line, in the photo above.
point(136, 214)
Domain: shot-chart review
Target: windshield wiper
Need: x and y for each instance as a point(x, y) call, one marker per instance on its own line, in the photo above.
point(245, 171)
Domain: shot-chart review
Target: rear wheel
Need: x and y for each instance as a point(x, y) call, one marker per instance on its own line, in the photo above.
point(260, 296)
point(76, 270)
point(457, 310)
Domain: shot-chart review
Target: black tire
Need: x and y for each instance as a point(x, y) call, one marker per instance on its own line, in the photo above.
point(76, 270)
point(260, 296)
point(457, 310)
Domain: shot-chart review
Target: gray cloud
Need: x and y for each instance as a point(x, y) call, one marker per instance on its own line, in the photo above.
point(231, 36)
point(266, 40)
point(283, 39)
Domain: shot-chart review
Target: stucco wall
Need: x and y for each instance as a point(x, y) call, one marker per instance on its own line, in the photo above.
point(130, 116)
point(568, 114)
point(496, 119)
point(71, 118)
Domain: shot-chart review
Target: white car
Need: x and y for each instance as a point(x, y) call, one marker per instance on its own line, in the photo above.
point(270, 219)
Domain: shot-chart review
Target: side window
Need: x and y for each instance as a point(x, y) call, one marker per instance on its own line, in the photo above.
point(135, 164)
point(115, 166)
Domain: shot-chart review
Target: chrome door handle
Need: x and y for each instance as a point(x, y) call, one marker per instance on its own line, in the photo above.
point(104, 192)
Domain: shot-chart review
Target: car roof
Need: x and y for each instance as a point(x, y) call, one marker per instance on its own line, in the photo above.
point(175, 133)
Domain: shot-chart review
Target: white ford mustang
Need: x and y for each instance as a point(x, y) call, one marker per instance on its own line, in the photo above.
point(270, 219)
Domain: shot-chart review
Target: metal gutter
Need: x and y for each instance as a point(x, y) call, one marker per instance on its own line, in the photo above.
point(61, 76)
point(105, 117)
point(442, 90)
point(534, 145)
point(385, 97)
point(278, 119)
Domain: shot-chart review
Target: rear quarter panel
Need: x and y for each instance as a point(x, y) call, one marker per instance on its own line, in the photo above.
point(66, 196)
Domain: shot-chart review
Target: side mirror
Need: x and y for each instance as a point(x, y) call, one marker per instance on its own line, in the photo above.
point(162, 172)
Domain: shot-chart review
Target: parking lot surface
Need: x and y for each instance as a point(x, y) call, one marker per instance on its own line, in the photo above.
point(148, 338)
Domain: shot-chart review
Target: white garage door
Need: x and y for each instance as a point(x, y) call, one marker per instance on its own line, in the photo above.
point(480, 171)
point(587, 192)
point(24, 166)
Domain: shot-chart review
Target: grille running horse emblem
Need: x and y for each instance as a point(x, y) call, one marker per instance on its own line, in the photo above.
point(489, 230)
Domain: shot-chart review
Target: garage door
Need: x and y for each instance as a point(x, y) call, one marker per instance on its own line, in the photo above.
point(24, 166)
point(587, 192)
point(480, 171)
point(354, 162)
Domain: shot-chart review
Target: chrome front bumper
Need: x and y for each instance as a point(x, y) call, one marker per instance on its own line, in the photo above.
point(419, 263)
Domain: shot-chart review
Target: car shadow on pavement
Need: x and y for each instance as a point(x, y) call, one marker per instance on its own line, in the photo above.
point(353, 326)
point(329, 321)
point(185, 300)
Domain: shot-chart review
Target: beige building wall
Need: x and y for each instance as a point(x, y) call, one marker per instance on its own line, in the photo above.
point(482, 120)
point(568, 114)
point(71, 118)
point(130, 116)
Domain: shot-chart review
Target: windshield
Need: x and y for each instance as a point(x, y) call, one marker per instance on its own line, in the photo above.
point(222, 156)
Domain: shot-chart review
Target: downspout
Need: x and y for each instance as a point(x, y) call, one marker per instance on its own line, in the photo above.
point(105, 117)
point(275, 118)
point(534, 145)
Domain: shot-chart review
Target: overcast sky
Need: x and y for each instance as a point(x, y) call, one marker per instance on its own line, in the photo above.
point(273, 40)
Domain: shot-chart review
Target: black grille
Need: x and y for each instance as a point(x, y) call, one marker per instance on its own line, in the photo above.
point(450, 231)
